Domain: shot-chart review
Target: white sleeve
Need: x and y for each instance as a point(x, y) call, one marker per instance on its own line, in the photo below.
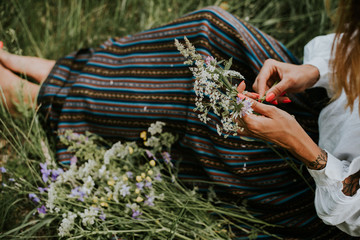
point(318, 53)
point(332, 205)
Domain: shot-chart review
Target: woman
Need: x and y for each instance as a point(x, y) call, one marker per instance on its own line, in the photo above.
point(118, 89)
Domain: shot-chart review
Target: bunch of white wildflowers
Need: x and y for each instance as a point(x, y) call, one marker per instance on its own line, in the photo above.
point(215, 91)
point(127, 191)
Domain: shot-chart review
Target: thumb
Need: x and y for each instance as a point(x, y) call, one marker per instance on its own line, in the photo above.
point(261, 108)
point(275, 91)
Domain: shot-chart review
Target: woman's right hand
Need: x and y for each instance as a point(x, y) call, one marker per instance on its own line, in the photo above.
point(290, 78)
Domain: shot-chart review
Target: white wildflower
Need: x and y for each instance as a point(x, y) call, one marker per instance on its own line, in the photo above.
point(88, 185)
point(52, 197)
point(89, 215)
point(102, 170)
point(67, 224)
point(156, 127)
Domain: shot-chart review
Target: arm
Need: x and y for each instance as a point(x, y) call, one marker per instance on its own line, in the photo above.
point(337, 181)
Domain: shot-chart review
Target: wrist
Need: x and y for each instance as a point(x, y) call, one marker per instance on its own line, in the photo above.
point(310, 153)
point(313, 73)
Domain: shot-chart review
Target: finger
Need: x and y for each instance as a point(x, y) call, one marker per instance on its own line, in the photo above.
point(275, 91)
point(241, 87)
point(260, 84)
point(284, 100)
point(262, 109)
point(252, 95)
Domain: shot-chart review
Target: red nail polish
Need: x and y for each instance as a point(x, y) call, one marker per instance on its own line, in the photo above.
point(270, 97)
point(283, 93)
point(286, 101)
point(275, 102)
point(1, 44)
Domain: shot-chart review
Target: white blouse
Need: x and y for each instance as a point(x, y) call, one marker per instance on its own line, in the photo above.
point(340, 136)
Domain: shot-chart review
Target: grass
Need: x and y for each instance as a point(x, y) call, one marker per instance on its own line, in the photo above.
point(52, 29)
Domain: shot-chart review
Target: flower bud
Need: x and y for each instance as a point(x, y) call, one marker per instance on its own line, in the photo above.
point(152, 163)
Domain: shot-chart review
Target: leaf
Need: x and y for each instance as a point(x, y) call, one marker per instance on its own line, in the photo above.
point(228, 64)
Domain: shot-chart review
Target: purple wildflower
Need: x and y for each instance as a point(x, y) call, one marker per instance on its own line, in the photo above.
point(158, 177)
point(148, 184)
point(167, 158)
point(150, 201)
point(140, 185)
point(34, 198)
point(45, 172)
point(246, 109)
point(56, 173)
point(125, 190)
point(136, 213)
point(76, 192)
point(129, 174)
point(41, 210)
point(102, 216)
point(11, 179)
point(73, 160)
point(149, 154)
point(3, 170)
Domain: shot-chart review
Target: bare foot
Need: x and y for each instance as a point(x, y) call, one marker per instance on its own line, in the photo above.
point(14, 89)
point(36, 68)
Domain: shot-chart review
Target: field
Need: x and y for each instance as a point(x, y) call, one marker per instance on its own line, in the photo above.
point(51, 29)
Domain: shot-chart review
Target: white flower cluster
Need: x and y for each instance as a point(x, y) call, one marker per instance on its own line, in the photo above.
point(214, 90)
point(67, 224)
point(117, 181)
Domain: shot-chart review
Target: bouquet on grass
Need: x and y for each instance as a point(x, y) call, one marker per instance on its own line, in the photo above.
point(125, 192)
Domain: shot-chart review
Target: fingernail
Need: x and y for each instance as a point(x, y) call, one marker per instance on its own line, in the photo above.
point(283, 93)
point(241, 96)
point(275, 102)
point(255, 95)
point(241, 87)
point(270, 97)
point(1, 44)
point(286, 100)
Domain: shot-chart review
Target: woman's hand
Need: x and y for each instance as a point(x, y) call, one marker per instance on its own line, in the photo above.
point(279, 127)
point(290, 78)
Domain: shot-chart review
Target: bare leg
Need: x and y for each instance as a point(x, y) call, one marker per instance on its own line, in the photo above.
point(11, 84)
point(36, 68)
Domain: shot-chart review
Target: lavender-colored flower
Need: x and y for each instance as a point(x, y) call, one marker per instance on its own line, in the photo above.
point(76, 192)
point(34, 198)
point(167, 158)
point(42, 190)
point(125, 190)
point(45, 172)
point(140, 185)
point(73, 160)
point(130, 174)
point(209, 59)
point(150, 201)
point(102, 216)
point(3, 170)
point(11, 179)
point(246, 109)
point(136, 213)
point(158, 177)
point(149, 154)
point(41, 210)
point(148, 184)
point(55, 173)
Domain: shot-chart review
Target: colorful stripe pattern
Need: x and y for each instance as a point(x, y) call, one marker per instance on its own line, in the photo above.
point(120, 88)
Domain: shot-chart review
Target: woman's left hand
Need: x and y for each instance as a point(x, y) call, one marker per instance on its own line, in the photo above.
point(279, 127)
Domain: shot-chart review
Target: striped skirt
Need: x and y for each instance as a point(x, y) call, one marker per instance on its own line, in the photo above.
point(119, 88)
